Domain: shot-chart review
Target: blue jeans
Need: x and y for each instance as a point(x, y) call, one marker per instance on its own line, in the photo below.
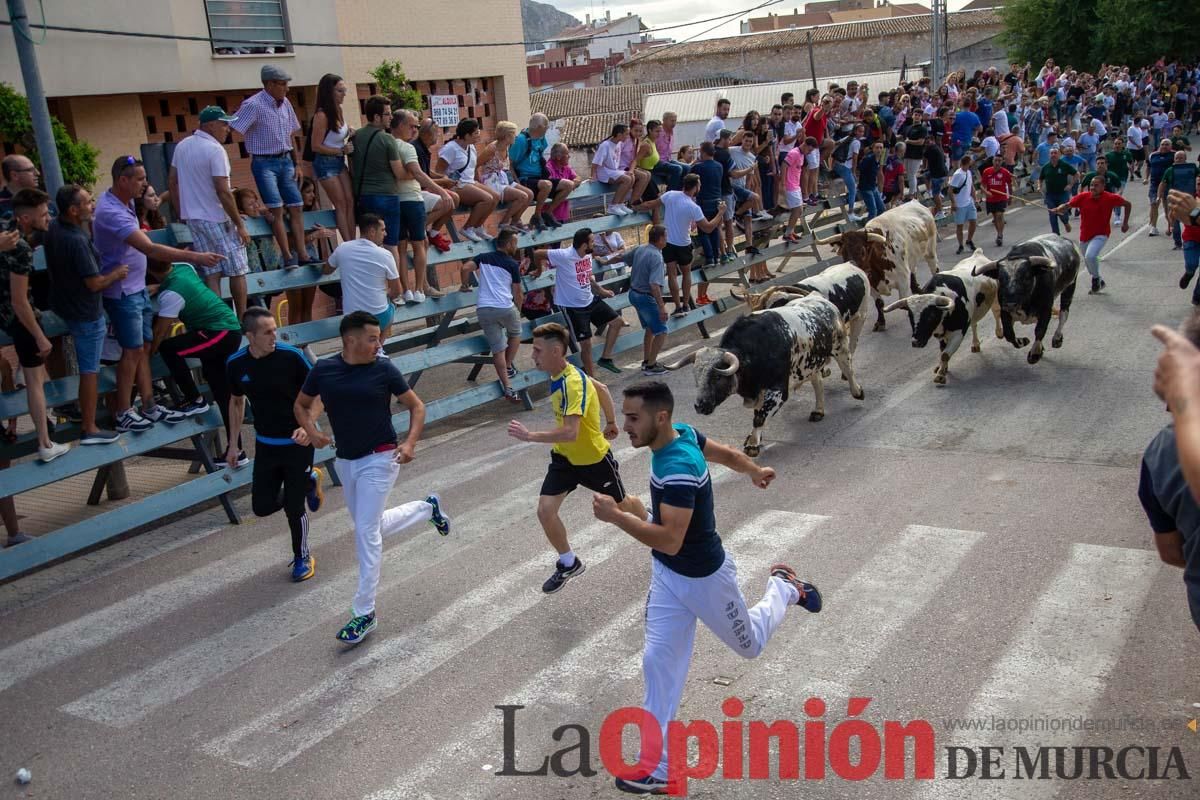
point(647, 311)
point(1177, 233)
point(710, 242)
point(132, 318)
point(1056, 199)
point(670, 171)
point(847, 175)
point(874, 200)
point(1191, 261)
point(275, 177)
point(88, 336)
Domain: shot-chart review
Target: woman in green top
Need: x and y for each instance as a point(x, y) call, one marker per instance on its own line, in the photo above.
point(213, 334)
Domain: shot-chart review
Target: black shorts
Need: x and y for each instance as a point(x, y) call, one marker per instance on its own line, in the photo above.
point(532, 184)
point(604, 477)
point(676, 254)
point(25, 344)
point(1139, 155)
point(996, 208)
point(581, 320)
point(650, 192)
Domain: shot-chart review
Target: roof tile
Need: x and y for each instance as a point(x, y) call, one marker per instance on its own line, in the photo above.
point(625, 99)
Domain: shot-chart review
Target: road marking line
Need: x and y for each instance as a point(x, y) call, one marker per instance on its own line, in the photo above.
point(1126, 241)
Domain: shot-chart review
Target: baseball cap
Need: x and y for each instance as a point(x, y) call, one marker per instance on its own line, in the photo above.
point(214, 114)
point(270, 72)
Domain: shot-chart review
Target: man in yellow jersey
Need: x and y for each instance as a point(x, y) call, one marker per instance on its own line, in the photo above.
point(581, 455)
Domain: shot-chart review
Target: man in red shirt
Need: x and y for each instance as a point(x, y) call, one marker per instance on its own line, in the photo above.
point(997, 181)
point(1095, 216)
point(1191, 247)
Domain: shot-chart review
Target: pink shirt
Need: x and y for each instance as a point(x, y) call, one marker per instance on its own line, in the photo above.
point(563, 212)
point(664, 142)
point(794, 161)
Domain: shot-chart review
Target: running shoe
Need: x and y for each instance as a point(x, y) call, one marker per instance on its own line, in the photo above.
point(130, 421)
point(646, 785)
point(1185, 280)
point(441, 242)
point(512, 371)
point(654, 369)
point(439, 520)
point(242, 461)
point(607, 363)
point(703, 300)
point(1096, 286)
point(197, 406)
point(1151, 232)
point(970, 245)
point(357, 628)
point(469, 233)
point(304, 568)
point(510, 394)
point(315, 494)
point(810, 597)
point(16, 539)
point(562, 575)
point(764, 216)
point(99, 437)
point(48, 454)
point(163, 414)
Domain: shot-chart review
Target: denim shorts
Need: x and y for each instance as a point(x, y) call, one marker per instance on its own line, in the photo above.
point(88, 337)
point(387, 206)
point(935, 186)
point(965, 213)
point(328, 166)
point(132, 318)
point(647, 311)
point(275, 177)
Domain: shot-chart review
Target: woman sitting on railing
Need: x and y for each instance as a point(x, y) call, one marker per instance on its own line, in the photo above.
point(494, 174)
point(645, 159)
point(330, 142)
point(457, 161)
point(559, 168)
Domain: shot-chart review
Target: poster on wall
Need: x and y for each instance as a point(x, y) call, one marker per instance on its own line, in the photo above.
point(443, 108)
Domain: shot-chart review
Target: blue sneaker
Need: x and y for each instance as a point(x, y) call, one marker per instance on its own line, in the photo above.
point(303, 568)
point(315, 495)
point(646, 785)
point(810, 597)
point(357, 629)
point(438, 520)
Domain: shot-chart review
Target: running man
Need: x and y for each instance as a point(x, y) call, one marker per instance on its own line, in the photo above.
point(581, 455)
point(1095, 217)
point(998, 183)
point(691, 576)
point(356, 387)
point(271, 376)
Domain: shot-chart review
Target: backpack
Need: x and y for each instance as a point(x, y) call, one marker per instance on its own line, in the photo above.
point(842, 152)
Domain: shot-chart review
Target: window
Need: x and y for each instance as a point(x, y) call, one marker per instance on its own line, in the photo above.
point(240, 27)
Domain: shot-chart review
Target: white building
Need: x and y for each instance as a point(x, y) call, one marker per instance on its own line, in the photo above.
point(602, 37)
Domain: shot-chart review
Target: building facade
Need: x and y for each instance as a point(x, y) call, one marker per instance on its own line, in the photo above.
point(120, 93)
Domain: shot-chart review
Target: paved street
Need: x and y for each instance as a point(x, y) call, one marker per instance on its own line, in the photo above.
point(979, 546)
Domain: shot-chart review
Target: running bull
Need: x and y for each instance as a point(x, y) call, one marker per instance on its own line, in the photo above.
point(1030, 277)
point(949, 304)
point(767, 354)
point(887, 248)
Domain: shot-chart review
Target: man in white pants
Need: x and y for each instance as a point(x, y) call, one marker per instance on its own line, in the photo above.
point(357, 387)
point(692, 578)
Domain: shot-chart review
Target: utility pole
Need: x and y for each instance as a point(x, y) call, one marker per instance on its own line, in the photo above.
point(812, 64)
point(939, 41)
point(39, 113)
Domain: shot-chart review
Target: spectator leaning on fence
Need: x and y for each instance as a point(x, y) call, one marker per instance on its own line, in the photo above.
point(457, 160)
point(411, 181)
point(500, 295)
point(367, 272)
point(439, 207)
point(75, 287)
point(528, 159)
point(19, 318)
point(330, 142)
point(271, 130)
point(202, 193)
point(122, 243)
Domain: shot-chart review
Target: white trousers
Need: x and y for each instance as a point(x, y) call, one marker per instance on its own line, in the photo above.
point(674, 604)
point(366, 483)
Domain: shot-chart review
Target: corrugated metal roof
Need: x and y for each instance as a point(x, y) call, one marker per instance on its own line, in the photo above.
point(626, 98)
point(839, 32)
point(698, 104)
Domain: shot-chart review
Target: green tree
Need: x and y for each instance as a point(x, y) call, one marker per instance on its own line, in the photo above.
point(1064, 30)
point(77, 158)
point(389, 77)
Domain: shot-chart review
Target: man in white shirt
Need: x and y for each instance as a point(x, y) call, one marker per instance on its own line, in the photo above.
point(962, 197)
point(717, 124)
point(500, 296)
point(579, 296)
point(203, 196)
point(370, 281)
point(680, 211)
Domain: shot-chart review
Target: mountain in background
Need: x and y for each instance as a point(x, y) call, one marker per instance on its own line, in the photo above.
point(542, 20)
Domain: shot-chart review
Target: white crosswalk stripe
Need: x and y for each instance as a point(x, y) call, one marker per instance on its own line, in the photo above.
point(1059, 662)
point(592, 663)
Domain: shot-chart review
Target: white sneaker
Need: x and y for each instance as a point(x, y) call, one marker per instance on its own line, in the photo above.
point(1153, 232)
point(409, 297)
point(47, 454)
point(418, 297)
point(616, 210)
point(764, 216)
point(130, 421)
point(469, 233)
point(483, 235)
point(163, 414)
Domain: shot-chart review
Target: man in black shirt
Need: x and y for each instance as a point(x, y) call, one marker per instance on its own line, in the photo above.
point(75, 287)
point(935, 163)
point(271, 375)
point(357, 387)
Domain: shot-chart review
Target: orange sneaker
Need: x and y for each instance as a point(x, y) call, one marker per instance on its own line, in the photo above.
point(703, 300)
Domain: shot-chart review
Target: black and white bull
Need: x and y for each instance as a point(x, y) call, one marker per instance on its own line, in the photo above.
point(1030, 277)
point(949, 304)
point(766, 355)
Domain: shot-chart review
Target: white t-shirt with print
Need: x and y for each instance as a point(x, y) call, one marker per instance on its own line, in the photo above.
point(572, 277)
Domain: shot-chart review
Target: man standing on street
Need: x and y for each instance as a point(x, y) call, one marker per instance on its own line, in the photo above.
point(1095, 217)
point(997, 182)
point(1180, 176)
point(271, 129)
point(356, 387)
point(1057, 179)
point(581, 454)
point(201, 191)
point(692, 578)
point(1159, 161)
point(271, 375)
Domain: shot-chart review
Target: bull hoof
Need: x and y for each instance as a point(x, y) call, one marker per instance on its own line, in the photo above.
point(825, 373)
point(1019, 343)
point(1034, 356)
point(1057, 341)
point(751, 450)
point(861, 394)
point(976, 348)
point(999, 333)
point(939, 379)
point(816, 416)
point(880, 326)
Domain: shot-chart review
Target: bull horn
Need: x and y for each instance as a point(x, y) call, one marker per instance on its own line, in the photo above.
point(875, 237)
point(903, 303)
point(683, 362)
point(983, 269)
point(835, 239)
point(748, 298)
point(1041, 261)
point(733, 366)
point(764, 299)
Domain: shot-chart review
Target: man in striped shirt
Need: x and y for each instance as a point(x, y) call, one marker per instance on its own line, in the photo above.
point(269, 125)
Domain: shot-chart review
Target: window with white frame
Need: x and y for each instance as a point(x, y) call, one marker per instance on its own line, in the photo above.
point(243, 27)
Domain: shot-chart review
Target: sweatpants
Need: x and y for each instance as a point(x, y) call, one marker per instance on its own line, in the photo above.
point(366, 483)
point(213, 349)
point(912, 169)
point(281, 480)
point(1091, 254)
point(674, 604)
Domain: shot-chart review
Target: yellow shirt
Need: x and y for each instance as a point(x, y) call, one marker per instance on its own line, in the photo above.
point(572, 394)
point(651, 161)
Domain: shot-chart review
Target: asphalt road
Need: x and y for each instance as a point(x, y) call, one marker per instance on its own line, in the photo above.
point(979, 546)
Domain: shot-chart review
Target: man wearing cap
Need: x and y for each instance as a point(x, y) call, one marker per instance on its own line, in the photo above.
point(201, 191)
point(271, 129)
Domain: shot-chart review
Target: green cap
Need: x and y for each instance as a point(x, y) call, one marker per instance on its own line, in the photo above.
point(214, 114)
